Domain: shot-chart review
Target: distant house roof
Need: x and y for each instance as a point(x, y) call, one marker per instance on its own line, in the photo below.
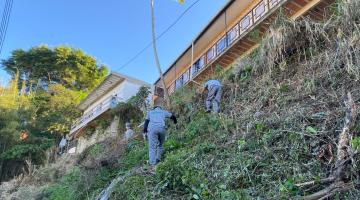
point(110, 82)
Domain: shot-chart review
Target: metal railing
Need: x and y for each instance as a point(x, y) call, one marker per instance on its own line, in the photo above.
point(235, 32)
point(87, 117)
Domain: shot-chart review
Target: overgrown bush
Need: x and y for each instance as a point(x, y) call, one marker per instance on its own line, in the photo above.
point(281, 108)
point(279, 125)
point(71, 186)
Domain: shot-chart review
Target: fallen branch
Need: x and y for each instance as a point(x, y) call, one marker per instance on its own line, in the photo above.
point(322, 181)
point(344, 138)
point(342, 158)
point(329, 191)
point(105, 193)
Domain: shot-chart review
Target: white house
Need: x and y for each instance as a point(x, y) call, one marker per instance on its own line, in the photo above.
point(115, 88)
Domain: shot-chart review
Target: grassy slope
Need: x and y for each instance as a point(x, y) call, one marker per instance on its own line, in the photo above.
point(282, 108)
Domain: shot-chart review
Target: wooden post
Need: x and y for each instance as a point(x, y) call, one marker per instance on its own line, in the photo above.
point(226, 28)
point(192, 59)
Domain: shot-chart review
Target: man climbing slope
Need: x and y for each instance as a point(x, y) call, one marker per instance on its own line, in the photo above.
point(129, 133)
point(62, 145)
point(154, 127)
point(214, 95)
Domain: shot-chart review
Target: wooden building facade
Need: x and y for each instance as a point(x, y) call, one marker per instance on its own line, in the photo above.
point(227, 37)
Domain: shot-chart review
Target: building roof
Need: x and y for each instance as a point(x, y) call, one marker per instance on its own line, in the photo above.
point(202, 32)
point(110, 82)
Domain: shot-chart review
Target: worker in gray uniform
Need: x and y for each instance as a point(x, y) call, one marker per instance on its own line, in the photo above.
point(214, 95)
point(129, 133)
point(154, 127)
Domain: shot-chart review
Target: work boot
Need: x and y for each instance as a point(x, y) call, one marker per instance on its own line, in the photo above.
point(152, 169)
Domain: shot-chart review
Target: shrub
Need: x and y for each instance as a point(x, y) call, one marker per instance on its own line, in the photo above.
point(96, 150)
point(127, 112)
point(176, 174)
point(133, 188)
point(71, 186)
point(136, 154)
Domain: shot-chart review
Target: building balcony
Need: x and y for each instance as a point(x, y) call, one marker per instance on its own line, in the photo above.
point(90, 115)
point(237, 41)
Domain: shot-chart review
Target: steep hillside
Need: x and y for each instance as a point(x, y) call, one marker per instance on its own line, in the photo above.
point(277, 136)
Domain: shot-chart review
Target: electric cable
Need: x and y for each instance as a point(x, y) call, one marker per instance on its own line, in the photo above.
point(159, 36)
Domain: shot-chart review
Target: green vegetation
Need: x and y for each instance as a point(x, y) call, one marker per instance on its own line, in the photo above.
point(279, 126)
point(66, 188)
point(96, 150)
point(41, 66)
point(276, 117)
point(122, 158)
point(40, 101)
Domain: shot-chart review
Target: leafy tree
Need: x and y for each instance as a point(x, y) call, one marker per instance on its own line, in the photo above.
point(54, 110)
point(40, 100)
point(141, 100)
point(41, 66)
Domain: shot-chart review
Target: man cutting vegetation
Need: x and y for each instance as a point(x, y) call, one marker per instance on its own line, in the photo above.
point(214, 95)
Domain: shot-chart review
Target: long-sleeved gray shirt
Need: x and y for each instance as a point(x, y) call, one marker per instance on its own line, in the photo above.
point(156, 118)
point(211, 83)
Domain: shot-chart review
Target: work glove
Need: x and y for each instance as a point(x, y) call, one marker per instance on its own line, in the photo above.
point(145, 136)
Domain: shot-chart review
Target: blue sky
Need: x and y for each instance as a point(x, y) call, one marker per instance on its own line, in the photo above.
point(112, 31)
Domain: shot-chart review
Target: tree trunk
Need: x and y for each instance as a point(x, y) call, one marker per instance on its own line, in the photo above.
point(166, 94)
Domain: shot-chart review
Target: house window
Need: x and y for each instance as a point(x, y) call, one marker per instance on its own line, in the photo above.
point(194, 70)
point(260, 10)
point(221, 46)
point(245, 23)
point(210, 54)
point(186, 76)
point(273, 3)
point(159, 91)
point(179, 82)
point(233, 34)
point(200, 63)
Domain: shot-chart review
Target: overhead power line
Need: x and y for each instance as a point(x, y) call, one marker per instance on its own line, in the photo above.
point(5, 22)
point(158, 37)
point(4, 16)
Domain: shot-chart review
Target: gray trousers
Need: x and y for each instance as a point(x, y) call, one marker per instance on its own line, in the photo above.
point(156, 137)
point(214, 96)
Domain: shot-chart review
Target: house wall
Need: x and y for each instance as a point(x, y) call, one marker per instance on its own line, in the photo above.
point(130, 89)
point(98, 136)
point(124, 90)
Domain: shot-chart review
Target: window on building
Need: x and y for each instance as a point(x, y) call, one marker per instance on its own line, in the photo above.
point(233, 34)
point(273, 3)
point(179, 82)
point(245, 23)
point(221, 46)
point(194, 70)
point(210, 55)
point(200, 63)
point(260, 10)
point(159, 91)
point(186, 76)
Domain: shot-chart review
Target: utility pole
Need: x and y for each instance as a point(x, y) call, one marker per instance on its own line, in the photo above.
point(166, 93)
